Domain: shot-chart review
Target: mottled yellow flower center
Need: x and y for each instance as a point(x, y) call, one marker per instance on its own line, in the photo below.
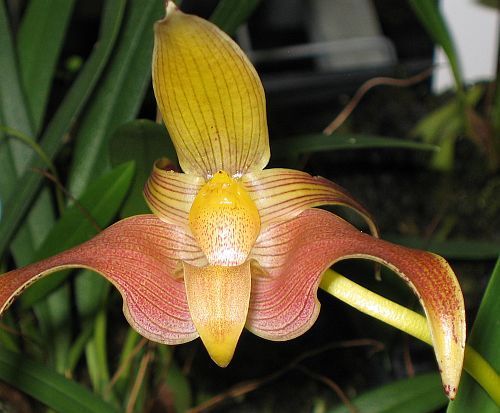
point(224, 220)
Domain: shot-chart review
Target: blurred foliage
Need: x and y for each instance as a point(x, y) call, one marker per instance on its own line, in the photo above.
point(485, 337)
point(462, 116)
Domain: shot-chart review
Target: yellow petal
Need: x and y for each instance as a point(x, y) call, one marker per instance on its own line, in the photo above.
point(210, 96)
point(218, 299)
point(170, 194)
point(224, 221)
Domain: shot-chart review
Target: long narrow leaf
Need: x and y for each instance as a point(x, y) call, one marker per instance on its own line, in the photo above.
point(495, 115)
point(430, 16)
point(119, 95)
point(14, 155)
point(421, 394)
point(12, 100)
point(54, 326)
point(485, 338)
point(39, 43)
point(452, 249)
point(50, 388)
point(96, 352)
point(142, 141)
point(70, 108)
point(229, 14)
point(320, 143)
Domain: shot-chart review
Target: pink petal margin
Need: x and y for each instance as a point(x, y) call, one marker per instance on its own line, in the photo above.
point(139, 255)
point(295, 253)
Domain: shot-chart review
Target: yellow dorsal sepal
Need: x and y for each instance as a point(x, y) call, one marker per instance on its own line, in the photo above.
point(210, 97)
point(224, 220)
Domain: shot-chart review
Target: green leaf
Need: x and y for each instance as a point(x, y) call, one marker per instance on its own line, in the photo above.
point(96, 352)
point(175, 379)
point(447, 120)
point(39, 43)
point(229, 14)
point(444, 125)
point(91, 292)
point(119, 94)
point(77, 347)
point(452, 249)
point(320, 143)
point(420, 394)
point(8, 339)
point(35, 227)
point(89, 300)
point(70, 108)
point(12, 100)
point(447, 117)
point(484, 338)
point(142, 141)
point(54, 326)
point(14, 155)
point(95, 209)
point(50, 388)
point(495, 116)
point(432, 19)
point(125, 364)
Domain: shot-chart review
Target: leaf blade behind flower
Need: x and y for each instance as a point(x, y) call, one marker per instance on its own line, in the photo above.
point(48, 387)
point(305, 144)
point(144, 142)
point(119, 96)
point(485, 338)
point(14, 155)
point(53, 138)
point(420, 394)
point(39, 43)
point(230, 14)
point(459, 249)
point(432, 19)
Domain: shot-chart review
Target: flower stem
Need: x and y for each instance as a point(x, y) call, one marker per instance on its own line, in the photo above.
point(408, 321)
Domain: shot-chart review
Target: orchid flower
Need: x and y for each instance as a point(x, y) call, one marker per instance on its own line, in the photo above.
point(230, 244)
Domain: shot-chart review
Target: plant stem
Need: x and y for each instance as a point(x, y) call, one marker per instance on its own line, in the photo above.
point(408, 321)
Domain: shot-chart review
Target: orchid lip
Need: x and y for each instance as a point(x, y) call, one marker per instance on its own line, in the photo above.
point(218, 298)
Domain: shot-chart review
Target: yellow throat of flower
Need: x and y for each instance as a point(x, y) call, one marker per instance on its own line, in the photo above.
point(224, 220)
